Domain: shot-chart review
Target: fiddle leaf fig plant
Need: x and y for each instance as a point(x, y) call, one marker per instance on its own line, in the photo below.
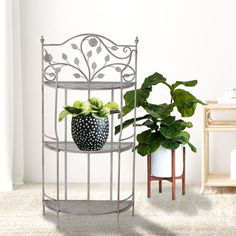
point(92, 106)
point(163, 128)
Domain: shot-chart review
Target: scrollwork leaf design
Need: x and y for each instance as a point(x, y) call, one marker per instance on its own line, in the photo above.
point(76, 61)
point(48, 57)
point(76, 75)
point(98, 49)
point(64, 56)
point(94, 65)
point(51, 74)
point(89, 53)
point(127, 75)
point(118, 69)
point(100, 75)
point(107, 58)
point(114, 48)
point(74, 46)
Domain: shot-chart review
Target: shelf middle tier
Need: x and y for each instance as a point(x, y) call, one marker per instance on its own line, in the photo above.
point(77, 85)
point(71, 147)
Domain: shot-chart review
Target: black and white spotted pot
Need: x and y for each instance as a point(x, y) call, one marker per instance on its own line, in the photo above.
point(89, 133)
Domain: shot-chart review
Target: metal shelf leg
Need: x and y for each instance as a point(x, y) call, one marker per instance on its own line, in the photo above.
point(58, 222)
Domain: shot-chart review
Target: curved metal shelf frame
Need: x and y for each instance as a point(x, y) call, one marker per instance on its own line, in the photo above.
point(88, 207)
point(92, 59)
point(74, 85)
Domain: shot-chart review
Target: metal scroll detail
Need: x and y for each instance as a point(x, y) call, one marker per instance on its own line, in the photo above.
point(89, 56)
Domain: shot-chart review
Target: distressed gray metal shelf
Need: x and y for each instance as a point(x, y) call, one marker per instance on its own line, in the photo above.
point(96, 63)
point(88, 207)
point(76, 85)
point(71, 147)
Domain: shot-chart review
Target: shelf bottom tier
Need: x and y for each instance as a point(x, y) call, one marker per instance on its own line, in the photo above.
point(85, 207)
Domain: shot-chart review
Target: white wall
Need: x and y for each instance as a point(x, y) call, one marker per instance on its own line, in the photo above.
point(183, 40)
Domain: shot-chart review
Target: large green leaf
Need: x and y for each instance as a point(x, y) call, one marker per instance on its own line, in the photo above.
point(72, 110)
point(170, 144)
point(96, 103)
point(104, 112)
point(186, 124)
point(154, 146)
point(129, 122)
point(142, 137)
point(62, 115)
point(186, 103)
point(159, 111)
point(171, 131)
point(141, 94)
point(183, 124)
point(183, 137)
point(114, 111)
point(141, 97)
point(153, 79)
point(193, 148)
point(149, 142)
point(150, 137)
point(87, 109)
point(149, 123)
point(168, 120)
point(190, 83)
point(126, 110)
point(143, 149)
point(112, 105)
point(78, 104)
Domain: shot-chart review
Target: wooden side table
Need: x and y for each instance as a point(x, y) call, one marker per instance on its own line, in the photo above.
point(171, 179)
point(213, 125)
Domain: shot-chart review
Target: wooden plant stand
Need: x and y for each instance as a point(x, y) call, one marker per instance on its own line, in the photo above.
point(171, 179)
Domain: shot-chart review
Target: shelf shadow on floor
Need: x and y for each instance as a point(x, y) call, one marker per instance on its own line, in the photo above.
point(189, 204)
point(107, 225)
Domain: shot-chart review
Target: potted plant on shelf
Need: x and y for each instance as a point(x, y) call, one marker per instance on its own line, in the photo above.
point(165, 132)
point(90, 123)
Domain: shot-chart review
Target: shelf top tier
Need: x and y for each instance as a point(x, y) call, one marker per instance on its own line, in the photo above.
point(71, 147)
point(77, 85)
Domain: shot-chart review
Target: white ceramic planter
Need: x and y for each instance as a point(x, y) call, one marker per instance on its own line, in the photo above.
point(161, 162)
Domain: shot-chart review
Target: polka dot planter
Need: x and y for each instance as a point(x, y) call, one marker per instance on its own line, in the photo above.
point(89, 133)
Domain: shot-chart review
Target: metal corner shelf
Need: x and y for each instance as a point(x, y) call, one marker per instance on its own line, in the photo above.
point(88, 75)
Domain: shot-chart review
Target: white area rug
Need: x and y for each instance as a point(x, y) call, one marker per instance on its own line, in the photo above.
point(194, 214)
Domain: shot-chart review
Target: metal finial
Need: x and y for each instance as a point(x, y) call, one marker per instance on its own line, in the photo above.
point(136, 40)
point(42, 39)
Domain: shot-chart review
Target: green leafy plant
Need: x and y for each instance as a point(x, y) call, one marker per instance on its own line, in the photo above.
point(163, 128)
point(92, 106)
